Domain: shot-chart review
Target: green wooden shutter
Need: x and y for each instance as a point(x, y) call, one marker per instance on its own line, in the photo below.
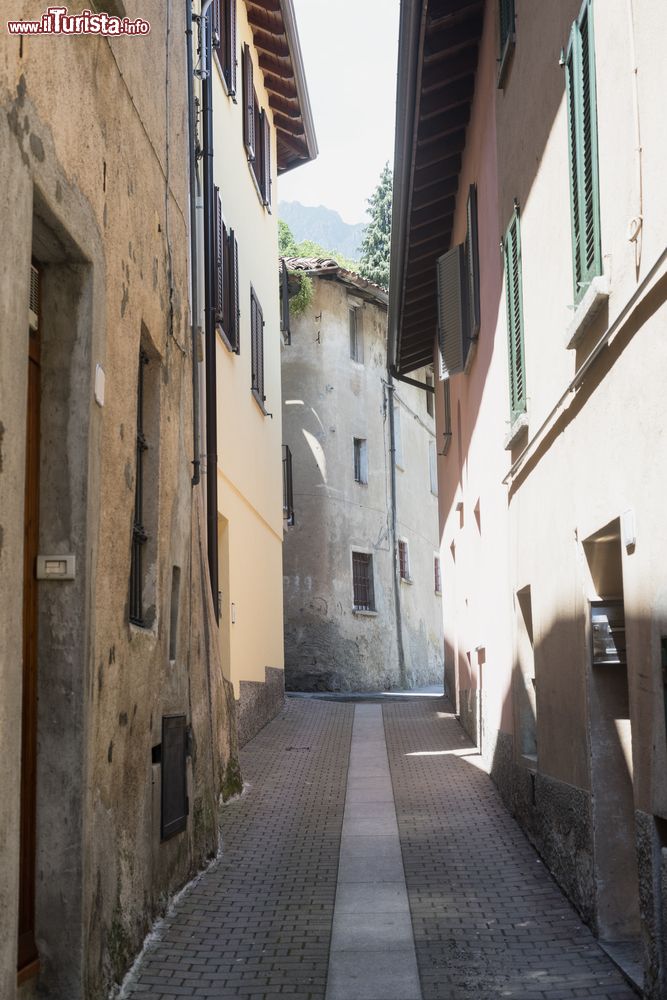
point(583, 143)
point(514, 295)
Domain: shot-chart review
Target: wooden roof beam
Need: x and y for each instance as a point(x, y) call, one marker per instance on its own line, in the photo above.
point(268, 42)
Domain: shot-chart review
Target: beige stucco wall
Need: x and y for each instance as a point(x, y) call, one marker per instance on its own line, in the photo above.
point(249, 443)
point(83, 157)
point(329, 399)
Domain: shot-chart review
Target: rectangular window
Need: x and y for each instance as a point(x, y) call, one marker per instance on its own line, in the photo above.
point(360, 461)
point(403, 560)
point(472, 262)
point(223, 13)
point(436, 572)
point(257, 349)
point(356, 335)
point(433, 467)
point(362, 581)
point(139, 534)
point(398, 437)
point(583, 142)
point(447, 435)
point(174, 777)
point(430, 381)
point(288, 487)
point(514, 295)
point(458, 280)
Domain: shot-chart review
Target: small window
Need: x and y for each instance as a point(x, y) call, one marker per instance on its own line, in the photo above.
point(403, 560)
point(447, 433)
point(514, 295)
point(436, 572)
point(356, 335)
point(142, 609)
point(433, 467)
point(283, 276)
point(226, 289)
point(360, 461)
point(362, 581)
point(430, 381)
point(398, 437)
point(174, 797)
point(257, 349)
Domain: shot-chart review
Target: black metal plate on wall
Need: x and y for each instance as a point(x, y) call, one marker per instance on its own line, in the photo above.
point(174, 795)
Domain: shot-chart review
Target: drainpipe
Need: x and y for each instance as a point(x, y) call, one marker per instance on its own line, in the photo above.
point(209, 312)
point(394, 531)
point(196, 462)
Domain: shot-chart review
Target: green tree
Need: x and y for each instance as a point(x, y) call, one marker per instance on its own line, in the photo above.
point(376, 244)
point(286, 243)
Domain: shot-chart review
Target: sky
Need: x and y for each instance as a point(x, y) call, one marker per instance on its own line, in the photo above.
point(349, 52)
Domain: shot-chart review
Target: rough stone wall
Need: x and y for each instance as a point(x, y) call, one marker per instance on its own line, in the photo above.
point(328, 400)
point(94, 169)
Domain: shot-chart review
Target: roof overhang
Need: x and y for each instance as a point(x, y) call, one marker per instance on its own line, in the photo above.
point(330, 270)
point(437, 63)
point(276, 39)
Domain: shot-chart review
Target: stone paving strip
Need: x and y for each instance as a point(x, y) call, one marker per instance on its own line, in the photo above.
point(257, 925)
point(372, 947)
point(489, 921)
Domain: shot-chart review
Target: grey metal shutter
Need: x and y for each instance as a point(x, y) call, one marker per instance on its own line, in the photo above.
point(174, 778)
point(453, 311)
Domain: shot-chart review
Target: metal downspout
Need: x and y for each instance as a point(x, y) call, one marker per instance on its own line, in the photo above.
point(209, 311)
point(394, 543)
point(194, 304)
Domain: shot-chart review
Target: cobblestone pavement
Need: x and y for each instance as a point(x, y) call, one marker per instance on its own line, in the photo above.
point(258, 925)
point(488, 920)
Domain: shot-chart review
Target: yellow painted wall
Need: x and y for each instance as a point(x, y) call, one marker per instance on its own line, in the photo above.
point(249, 442)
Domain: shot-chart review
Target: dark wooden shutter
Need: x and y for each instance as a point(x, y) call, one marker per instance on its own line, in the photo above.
point(257, 347)
point(219, 289)
point(230, 47)
point(215, 20)
point(266, 157)
point(284, 303)
point(248, 103)
point(512, 247)
point(174, 778)
point(234, 333)
point(472, 261)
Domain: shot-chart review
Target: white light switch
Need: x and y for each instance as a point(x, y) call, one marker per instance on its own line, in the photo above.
point(56, 567)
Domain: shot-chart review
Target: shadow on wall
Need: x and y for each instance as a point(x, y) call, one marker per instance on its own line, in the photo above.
point(568, 772)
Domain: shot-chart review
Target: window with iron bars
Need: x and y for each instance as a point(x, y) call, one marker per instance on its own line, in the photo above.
point(288, 487)
point(403, 560)
point(139, 535)
point(436, 570)
point(362, 581)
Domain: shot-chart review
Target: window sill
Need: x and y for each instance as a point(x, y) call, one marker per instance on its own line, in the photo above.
point(407, 580)
point(360, 482)
point(364, 614)
point(438, 593)
point(595, 297)
point(518, 428)
point(506, 59)
point(529, 760)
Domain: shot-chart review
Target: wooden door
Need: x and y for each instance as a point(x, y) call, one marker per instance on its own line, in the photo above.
point(27, 950)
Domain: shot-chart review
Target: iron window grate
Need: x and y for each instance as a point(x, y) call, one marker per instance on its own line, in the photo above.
point(362, 579)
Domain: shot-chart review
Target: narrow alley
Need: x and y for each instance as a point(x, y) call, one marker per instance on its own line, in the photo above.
point(371, 858)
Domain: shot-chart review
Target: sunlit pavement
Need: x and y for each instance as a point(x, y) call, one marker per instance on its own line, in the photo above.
point(312, 848)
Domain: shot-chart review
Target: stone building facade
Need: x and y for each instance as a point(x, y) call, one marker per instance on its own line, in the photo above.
point(361, 607)
point(119, 682)
point(540, 213)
